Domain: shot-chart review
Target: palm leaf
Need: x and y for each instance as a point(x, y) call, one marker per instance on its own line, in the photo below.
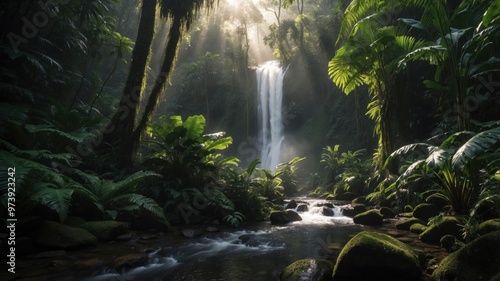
point(475, 146)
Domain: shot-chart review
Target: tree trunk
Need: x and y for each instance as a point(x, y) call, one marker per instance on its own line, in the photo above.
point(174, 37)
point(119, 131)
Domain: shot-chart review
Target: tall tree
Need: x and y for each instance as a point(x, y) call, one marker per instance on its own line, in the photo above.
point(124, 135)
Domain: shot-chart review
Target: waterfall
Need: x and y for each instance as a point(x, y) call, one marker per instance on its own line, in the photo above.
point(270, 95)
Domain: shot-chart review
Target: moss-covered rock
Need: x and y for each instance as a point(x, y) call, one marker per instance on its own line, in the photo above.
point(291, 205)
point(278, 217)
point(387, 213)
point(406, 215)
point(488, 226)
point(405, 224)
point(105, 230)
point(59, 236)
point(370, 217)
point(377, 256)
point(292, 216)
point(451, 243)
point(447, 226)
point(354, 209)
point(477, 260)
point(308, 270)
point(417, 228)
point(425, 211)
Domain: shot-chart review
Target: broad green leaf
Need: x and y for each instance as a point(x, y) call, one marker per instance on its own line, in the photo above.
point(56, 199)
point(195, 125)
point(475, 147)
point(492, 13)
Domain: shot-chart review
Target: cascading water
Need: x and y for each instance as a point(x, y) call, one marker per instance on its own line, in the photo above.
point(270, 95)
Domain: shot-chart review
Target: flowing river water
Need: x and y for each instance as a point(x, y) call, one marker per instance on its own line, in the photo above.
point(260, 252)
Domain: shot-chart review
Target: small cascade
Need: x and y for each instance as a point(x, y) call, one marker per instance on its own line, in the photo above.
point(320, 212)
point(270, 96)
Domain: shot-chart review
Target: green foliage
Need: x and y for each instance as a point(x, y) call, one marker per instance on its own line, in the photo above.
point(288, 175)
point(457, 169)
point(235, 219)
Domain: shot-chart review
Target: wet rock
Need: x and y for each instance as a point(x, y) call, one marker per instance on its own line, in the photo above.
point(245, 238)
point(370, 217)
point(151, 237)
point(405, 224)
point(105, 230)
point(352, 210)
point(377, 256)
point(302, 208)
point(478, 260)
point(489, 226)
point(126, 236)
point(278, 217)
point(51, 254)
point(447, 226)
point(93, 263)
point(451, 243)
point(293, 216)
point(129, 261)
point(74, 221)
point(327, 211)
point(417, 228)
point(291, 205)
point(191, 233)
point(425, 211)
point(307, 270)
point(212, 229)
point(59, 236)
point(387, 213)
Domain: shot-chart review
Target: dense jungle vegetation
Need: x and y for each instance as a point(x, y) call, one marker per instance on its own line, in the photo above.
point(144, 111)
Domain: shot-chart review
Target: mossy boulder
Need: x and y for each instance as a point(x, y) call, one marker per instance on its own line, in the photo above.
point(370, 217)
point(417, 228)
point(377, 256)
point(59, 236)
point(105, 230)
point(308, 270)
point(425, 211)
point(478, 260)
point(447, 226)
point(387, 213)
point(352, 210)
point(291, 205)
point(278, 217)
point(489, 226)
point(292, 216)
point(451, 243)
point(407, 223)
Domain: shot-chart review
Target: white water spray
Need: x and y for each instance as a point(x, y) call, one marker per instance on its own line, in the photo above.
point(270, 96)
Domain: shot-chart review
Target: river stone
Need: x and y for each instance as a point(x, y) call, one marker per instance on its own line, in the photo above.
point(407, 223)
point(129, 261)
point(425, 211)
point(451, 243)
point(307, 270)
point(387, 213)
point(352, 210)
point(376, 256)
point(447, 226)
point(370, 217)
point(191, 233)
point(293, 216)
point(105, 230)
point(327, 211)
point(302, 208)
point(278, 217)
point(489, 226)
point(477, 260)
point(291, 205)
point(417, 228)
point(59, 236)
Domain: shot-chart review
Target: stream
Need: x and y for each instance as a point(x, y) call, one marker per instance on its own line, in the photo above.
point(260, 252)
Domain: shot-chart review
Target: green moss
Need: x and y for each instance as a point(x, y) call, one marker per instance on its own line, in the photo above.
point(477, 260)
point(418, 228)
point(370, 217)
point(407, 223)
point(425, 211)
point(489, 226)
point(308, 269)
point(447, 226)
point(60, 236)
point(377, 256)
point(105, 230)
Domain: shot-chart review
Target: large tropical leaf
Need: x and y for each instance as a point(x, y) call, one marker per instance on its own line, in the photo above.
point(57, 199)
point(195, 125)
point(475, 146)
